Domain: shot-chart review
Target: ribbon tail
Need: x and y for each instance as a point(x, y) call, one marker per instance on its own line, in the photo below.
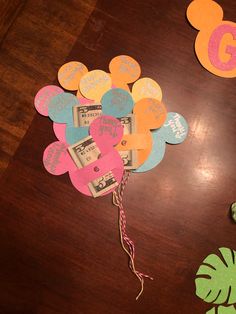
point(126, 243)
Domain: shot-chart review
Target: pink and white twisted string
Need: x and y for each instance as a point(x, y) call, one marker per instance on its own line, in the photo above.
point(124, 239)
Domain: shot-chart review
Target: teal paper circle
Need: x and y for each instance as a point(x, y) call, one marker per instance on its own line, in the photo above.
point(74, 135)
point(174, 130)
point(117, 102)
point(60, 108)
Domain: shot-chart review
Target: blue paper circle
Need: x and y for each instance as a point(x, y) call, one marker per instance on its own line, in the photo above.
point(156, 155)
point(60, 108)
point(117, 102)
point(74, 135)
point(174, 130)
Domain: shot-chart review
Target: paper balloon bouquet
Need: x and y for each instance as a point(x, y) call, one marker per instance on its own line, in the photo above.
point(105, 131)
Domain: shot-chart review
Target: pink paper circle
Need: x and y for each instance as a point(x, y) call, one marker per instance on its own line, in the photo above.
point(60, 131)
point(57, 160)
point(106, 131)
point(43, 97)
point(74, 177)
point(84, 101)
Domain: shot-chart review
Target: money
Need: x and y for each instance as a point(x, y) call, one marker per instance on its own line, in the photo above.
point(85, 152)
point(83, 115)
point(129, 157)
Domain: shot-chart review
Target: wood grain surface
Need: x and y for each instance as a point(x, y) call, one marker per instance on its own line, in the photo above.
point(60, 250)
point(35, 38)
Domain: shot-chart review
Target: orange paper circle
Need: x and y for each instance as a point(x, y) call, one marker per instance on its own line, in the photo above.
point(150, 114)
point(204, 13)
point(70, 73)
point(78, 94)
point(143, 154)
point(124, 69)
point(94, 84)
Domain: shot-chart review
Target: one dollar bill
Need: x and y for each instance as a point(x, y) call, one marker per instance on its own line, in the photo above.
point(84, 115)
point(85, 152)
point(129, 157)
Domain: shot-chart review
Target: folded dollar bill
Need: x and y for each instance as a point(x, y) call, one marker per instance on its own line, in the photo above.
point(85, 152)
point(129, 157)
point(83, 115)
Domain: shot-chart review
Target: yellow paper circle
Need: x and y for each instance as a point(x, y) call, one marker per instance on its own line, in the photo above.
point(146, 88)
point(70, 73)
point(94, 84)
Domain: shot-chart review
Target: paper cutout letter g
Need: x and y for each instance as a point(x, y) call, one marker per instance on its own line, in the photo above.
point(215, 44)
point(215, 41)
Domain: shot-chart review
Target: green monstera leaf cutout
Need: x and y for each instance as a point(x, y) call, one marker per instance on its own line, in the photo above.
point(216, 278)
point(226, 310)
point(222, 310)
point(212, 311)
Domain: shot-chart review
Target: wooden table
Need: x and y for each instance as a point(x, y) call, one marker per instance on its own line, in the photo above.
point(60, 250)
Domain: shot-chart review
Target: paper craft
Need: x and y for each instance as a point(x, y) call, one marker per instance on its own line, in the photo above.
point(233, 211)
point(215, 44)
point(124, 70)
point(105, 131)
point(146, 88)
point(57, 160)
point(60, 131)
point(69, 75)
point(129, 156)
point(223, 310)
point(94, 84)
point(117, 102)
point(149, 114)
point(60, 108)
point(75, 134)
point(174, 130)
point(156, 155)
point(216, 280)
point(43, 97)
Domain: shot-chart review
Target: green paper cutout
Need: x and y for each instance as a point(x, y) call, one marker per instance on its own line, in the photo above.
point(226, 310)
point(212, 311)
point(216, 280)
point(222, 310)
point(233, 211)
